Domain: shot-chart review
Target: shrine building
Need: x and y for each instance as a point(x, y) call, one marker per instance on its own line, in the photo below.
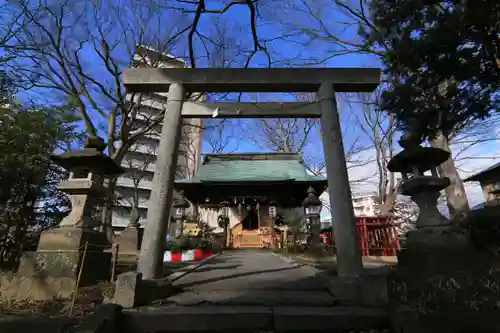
point(249, 182)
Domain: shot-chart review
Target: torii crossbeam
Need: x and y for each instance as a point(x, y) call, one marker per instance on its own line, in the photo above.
point(324, 81)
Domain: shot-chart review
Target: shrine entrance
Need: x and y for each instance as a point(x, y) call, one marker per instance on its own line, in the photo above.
point(180, 82)
point(251, 221)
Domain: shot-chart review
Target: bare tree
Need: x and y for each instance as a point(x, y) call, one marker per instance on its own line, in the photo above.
point(303, 136)
point(340, 27)
point(138, 163)
point(74, 51)
point(200, 8)
point(190, 148)
point(80, 57)
point(380, 130)
point(11, 23)
point(330, 27)
point(222, 135)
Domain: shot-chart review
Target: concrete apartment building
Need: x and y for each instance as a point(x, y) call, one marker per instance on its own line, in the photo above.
point(134, 186)
point(363, 205)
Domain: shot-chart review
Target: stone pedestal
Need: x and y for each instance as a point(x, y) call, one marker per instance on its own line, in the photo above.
point(131, 290)
point(52, 271)
point(129, 241)
point(454, 276)
point(425, 191)
point(366, 289)
point(60, 254)
point(437, 238)
point(127, 289)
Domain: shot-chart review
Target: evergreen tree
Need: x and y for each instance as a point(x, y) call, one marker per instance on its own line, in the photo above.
point(442, 60)
point(29, 199)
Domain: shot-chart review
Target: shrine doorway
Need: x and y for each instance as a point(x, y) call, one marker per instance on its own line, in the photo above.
point(251, 221)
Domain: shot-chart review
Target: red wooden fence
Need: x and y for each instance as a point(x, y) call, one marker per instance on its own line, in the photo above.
point(377, 235)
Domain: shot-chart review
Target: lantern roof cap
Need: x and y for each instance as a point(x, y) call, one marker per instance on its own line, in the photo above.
point(311, 199)
point(181, 201)
point(423, 158)
point(91, 158)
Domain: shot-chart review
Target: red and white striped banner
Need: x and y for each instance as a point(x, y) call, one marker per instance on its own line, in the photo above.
point(188, 255)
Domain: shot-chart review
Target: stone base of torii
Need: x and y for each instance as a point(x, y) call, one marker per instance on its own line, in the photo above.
point(349, 285)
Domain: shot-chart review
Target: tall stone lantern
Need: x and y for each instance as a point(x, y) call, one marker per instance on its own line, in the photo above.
point(433, 229)
point(60, 250)
point(312, 208)
point(180, 205)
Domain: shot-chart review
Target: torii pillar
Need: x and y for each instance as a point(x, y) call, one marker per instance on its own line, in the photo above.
point(324, 81)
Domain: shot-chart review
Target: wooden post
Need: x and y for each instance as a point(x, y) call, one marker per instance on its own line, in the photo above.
point(114, 260)
point(258, 215)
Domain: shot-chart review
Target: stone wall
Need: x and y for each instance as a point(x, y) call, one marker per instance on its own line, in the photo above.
point(104, 320)
point(15, 324)
point(53, 274)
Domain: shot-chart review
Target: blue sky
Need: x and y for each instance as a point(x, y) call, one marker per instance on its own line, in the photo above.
point(277, 21)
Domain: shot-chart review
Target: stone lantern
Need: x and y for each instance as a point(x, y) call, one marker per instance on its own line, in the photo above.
point(87, 170)
point(312, 208)
point(180, 205)
point(223, 219)
point(60, 253)
point(424, 189)
point(84, 187)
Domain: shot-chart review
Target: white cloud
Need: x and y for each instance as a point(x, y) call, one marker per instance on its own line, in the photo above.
point(364, 177)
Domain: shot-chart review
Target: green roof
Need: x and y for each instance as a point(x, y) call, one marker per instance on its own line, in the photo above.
point(481, 175)
point(253, 167)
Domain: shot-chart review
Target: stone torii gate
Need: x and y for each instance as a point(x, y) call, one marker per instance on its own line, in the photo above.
point(179, 81)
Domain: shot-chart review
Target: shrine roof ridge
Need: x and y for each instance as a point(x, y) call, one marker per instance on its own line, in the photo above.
point(252, 167)
point(488, 172)
point(281, 156)
point(251, 79)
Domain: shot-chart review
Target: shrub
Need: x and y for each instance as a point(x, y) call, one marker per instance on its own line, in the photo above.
point(183, 243)
point(180, 243)
point(203, 244)
point(484, 228)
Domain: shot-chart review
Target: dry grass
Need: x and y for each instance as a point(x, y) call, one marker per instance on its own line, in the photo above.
point(87, 300)
point(460, 292)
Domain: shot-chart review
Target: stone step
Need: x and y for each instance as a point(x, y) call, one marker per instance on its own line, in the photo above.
point(257, 237)
point(250, 242)
point(210, 318)
point(247, 236)
point(253, 297)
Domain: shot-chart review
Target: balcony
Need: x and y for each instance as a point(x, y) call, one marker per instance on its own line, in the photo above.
point(127, 182)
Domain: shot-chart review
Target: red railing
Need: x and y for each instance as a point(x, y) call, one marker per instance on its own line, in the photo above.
point(377, 235)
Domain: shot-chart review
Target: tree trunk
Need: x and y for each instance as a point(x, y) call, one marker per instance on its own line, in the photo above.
point(107, 209)
point(387, 207)
point(456, 197)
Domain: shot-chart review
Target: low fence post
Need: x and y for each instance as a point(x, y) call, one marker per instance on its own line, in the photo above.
point(114, 260)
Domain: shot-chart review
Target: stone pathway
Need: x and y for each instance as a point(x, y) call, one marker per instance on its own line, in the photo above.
point(252, 277)
point(252, 290)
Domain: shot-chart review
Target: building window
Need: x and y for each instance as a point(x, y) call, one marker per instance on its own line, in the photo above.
point(148, 176)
